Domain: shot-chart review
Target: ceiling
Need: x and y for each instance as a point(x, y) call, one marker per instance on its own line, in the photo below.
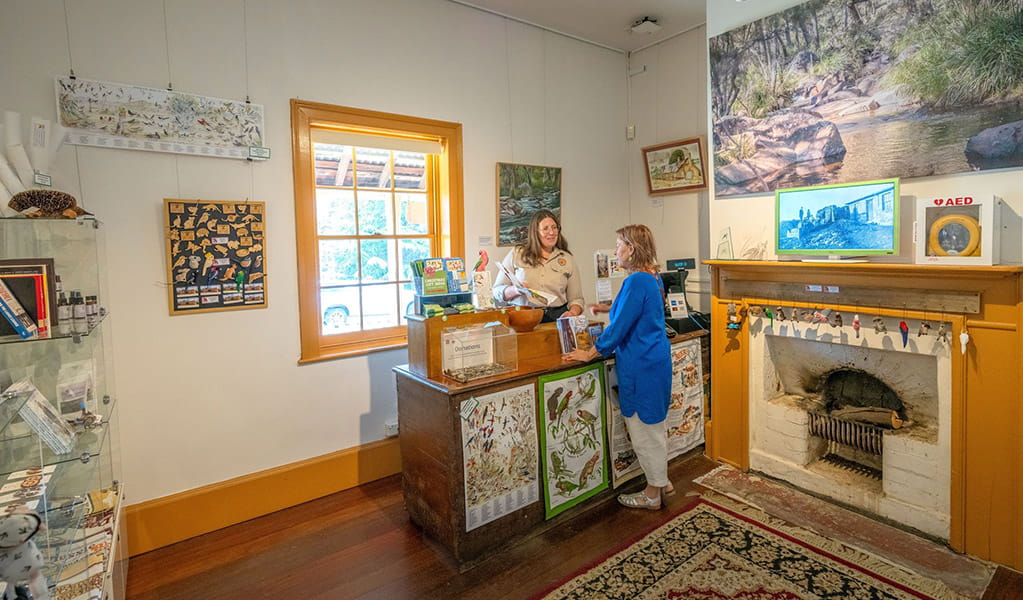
point(603, 22)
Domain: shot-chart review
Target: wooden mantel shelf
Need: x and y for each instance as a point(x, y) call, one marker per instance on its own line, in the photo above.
point(987, 419)
point(994, 271)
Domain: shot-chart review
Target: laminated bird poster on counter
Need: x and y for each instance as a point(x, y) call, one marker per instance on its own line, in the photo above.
point(499, 454)
point(573, 452)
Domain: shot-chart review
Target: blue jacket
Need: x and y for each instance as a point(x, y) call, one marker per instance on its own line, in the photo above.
point(643, 354)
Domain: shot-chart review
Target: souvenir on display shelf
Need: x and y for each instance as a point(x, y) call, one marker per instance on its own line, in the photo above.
point(441, 286)
point(478, 351)
point(482, 284)
point(573, 451)
point(215, 255)
point(28, 284)
point(958, 230)
point(58, 418)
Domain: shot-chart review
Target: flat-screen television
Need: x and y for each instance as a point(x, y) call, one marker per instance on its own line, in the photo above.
point(843, 220)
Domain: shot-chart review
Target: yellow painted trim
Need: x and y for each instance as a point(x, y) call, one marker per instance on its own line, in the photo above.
point(446, 198)
point(164, 521)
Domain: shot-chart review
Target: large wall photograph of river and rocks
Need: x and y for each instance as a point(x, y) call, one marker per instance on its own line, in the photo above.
point(832, 91)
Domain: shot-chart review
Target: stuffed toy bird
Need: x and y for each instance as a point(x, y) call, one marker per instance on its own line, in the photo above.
point(482, 262)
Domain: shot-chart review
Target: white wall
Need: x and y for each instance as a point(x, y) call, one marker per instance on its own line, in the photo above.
point(207, 397)
point(751, 218)
point(667, 101)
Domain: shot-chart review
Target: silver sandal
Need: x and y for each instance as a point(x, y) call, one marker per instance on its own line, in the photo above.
point(640, 500)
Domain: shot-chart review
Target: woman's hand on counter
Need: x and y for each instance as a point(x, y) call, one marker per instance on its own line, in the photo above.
point(582, 355)
point(598, 308)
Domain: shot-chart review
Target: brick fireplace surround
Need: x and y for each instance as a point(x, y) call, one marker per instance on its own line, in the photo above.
point(967, 406)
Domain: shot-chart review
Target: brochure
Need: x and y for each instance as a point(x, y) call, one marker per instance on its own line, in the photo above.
point(534, 297)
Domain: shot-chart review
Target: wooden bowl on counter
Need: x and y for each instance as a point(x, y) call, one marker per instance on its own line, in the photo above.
point(524, 319)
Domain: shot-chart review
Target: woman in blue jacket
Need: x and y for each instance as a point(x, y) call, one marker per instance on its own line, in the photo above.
point(643, 356)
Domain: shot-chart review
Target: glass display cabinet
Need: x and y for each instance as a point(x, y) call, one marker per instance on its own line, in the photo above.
point(59, 450)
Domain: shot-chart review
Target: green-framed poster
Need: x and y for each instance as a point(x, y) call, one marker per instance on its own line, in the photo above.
point(572, 446)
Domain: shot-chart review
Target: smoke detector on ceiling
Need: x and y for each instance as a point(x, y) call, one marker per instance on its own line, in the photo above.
point(645, 25)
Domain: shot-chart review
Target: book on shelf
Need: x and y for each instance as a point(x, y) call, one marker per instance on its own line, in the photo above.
point(14, 313)
point(31, 281)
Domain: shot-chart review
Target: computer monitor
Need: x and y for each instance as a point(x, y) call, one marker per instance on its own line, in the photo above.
point(843, 220)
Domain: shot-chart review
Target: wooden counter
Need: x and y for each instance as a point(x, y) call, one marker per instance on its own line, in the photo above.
point(433, 482)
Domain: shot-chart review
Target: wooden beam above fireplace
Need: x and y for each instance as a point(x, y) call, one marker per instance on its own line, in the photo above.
point(827, 292)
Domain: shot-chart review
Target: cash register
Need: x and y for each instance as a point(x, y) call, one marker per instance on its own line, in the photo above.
point(679, 315)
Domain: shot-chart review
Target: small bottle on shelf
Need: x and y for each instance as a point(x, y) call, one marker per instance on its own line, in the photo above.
point(63, 314)
point(91, 311)
point(79, 321)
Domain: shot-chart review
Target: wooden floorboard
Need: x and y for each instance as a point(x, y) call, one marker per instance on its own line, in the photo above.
point(360, 544)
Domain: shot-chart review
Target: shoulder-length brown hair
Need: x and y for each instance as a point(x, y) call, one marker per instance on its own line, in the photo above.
point(532, 250)
point(644, 251)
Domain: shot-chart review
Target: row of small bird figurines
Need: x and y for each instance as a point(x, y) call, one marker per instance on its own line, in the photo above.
point(834, 318)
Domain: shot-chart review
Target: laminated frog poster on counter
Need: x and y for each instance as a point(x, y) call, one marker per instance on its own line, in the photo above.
point(572, 437)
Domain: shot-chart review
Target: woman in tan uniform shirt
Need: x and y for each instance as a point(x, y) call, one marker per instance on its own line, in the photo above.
point(543, 263)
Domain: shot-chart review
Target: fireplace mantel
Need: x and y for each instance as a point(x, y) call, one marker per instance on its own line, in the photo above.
point(987, 420)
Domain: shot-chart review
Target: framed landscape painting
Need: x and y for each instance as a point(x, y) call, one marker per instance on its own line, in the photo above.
point(521, 191)
point(676, 166)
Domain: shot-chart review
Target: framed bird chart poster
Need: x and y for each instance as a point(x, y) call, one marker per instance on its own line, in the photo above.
point(572, 448)
point(215, 255)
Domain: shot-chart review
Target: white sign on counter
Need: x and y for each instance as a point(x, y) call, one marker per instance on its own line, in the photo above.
point(467, 348)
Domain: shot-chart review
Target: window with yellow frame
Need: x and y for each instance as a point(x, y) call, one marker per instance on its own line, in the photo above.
point(373, 191)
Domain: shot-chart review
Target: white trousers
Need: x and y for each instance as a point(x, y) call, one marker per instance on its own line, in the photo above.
point(650, 442)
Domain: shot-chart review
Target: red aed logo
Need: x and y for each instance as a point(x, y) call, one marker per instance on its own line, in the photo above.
point(965, 200)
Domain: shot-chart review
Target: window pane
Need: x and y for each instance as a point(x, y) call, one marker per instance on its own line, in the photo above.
point(335, 212)
point(410, 170)
point(373, 167)
point(339, 310)
point(381, 302)
point(413, 216)
point(410, 250)
point(378, 261)
point(338, 262)
point(406, 300)
point(333, 164)
point(375, 216)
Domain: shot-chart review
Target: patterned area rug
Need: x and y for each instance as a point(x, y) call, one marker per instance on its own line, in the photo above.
point(723, 549)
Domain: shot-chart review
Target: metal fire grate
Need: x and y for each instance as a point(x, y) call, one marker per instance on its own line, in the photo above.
point(866, 438)
point(849, 465)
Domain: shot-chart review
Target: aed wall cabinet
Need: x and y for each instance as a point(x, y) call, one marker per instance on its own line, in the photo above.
point(59, 450)
point(958, 230)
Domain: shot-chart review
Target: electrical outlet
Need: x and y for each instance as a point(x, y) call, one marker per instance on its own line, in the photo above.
point(390, 428)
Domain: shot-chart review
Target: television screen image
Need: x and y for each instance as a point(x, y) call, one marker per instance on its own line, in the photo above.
point(839, 220)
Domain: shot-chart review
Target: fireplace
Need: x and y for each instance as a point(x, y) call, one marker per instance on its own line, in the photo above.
point(958, 458)
point(856, 418)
